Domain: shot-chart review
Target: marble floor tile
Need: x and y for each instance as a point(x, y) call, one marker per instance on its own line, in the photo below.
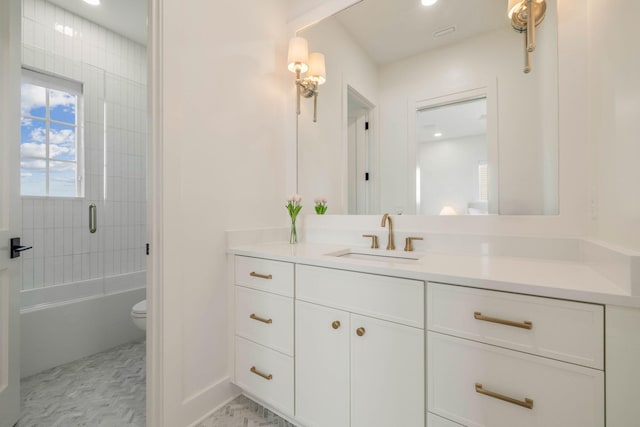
point(103, 390)
point(243, 412)
point(108, 390)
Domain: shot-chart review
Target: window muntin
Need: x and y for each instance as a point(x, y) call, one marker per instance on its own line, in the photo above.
point(51, 136)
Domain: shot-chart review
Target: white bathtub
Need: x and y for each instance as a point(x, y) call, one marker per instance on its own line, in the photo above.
point(60, 324)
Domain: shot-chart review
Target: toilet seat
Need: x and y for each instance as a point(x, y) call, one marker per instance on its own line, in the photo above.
point(140, 309)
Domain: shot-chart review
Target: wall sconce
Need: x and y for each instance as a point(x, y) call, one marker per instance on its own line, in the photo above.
point(300, 62)
point(525, 16)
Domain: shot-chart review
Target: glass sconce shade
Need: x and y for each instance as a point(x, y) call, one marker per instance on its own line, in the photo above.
point(298, 55)
point(317, 72)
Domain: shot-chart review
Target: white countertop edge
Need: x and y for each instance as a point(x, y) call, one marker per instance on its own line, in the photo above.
point(569, 280)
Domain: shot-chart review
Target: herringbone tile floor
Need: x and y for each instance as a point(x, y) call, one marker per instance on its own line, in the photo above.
point(103, 390)
point(242, 412)
point(108, 390)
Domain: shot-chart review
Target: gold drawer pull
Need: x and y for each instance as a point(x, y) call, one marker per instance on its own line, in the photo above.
point(524, 325)
point(261, 276)
point(265, 376)
point(260, 319)
point(528, 403)
point(360, 332)
point(335, 324)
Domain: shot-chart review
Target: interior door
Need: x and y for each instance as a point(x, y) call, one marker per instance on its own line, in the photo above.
point(10, 223)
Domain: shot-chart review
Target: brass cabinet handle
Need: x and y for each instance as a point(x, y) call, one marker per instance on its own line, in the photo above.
point(524, 325)
point(261, 276)
point(260, 319)
point(360, 332)
point(265, 376)
point(335, 324)
point(527, 403)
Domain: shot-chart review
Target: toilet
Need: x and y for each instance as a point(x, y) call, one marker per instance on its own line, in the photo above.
point(139, 315)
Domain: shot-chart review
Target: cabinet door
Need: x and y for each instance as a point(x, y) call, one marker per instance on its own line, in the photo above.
point(322, 366)
point(387, 374)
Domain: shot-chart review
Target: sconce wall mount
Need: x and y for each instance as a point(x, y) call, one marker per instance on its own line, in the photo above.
point(525, 16)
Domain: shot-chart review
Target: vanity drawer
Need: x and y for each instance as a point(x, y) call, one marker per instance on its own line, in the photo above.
point(266, 374)
point(460, 372)
point(265, 275)
point(265, 318)
point(562, 330)
point(388, 298)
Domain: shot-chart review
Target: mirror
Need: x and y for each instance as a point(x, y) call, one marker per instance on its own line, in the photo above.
point(452, 164)
point(390, 65)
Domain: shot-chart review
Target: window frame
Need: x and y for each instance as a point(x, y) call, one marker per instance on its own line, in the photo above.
point(51, 81)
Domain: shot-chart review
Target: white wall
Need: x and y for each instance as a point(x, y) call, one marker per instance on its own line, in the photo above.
point(614, 93)
point(224, 164)
point(322, 146)
point(449, 173)
point(113, 72)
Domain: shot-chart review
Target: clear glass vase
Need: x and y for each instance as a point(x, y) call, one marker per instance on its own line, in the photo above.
point(293, 237)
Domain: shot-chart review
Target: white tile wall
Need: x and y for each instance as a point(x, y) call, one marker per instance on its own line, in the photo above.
point(113, 72)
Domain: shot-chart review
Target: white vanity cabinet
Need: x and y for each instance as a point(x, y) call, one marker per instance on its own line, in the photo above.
point(264, 331)
point(501, 360)
point(353, 369)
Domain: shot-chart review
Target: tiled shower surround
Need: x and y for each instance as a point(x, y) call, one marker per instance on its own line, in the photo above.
point(113, 72)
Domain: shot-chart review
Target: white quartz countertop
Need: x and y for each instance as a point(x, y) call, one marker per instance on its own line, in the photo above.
point(565, 279)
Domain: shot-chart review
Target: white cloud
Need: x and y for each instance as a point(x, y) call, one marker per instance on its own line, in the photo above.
point(26, 174)
point(61, 166)
point(33, 164)
point(32, 149)
point(39, 134)
point(61, 142)
point(34, 96)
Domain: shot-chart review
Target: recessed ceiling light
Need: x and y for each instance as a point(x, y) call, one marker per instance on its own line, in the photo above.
point(424, 2)
point(437, 134)
point(93, 2)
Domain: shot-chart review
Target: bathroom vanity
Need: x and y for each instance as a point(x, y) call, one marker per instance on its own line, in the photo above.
point(431, 339)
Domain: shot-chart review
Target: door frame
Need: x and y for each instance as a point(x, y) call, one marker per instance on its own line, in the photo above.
point(11, 212)
point(155, 301)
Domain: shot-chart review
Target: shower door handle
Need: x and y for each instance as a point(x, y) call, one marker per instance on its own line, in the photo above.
point(93, 218)
point(16, 248)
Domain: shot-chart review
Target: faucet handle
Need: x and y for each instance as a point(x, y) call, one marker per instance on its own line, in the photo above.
point(374, 240)
point(408, 246)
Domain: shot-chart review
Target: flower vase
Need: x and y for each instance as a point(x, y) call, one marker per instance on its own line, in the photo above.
point(293, 237)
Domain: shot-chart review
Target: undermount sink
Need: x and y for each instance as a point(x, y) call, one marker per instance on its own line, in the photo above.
point(377, 255)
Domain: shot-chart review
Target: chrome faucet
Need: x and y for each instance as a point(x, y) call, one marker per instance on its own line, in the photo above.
point(385, 218)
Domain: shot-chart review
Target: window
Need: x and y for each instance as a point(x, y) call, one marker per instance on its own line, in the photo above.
point(483, 180)
point(51, 131)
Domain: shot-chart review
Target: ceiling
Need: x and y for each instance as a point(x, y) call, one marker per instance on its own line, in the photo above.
point(389, 30)
point(125, 17)
point(452, 121)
